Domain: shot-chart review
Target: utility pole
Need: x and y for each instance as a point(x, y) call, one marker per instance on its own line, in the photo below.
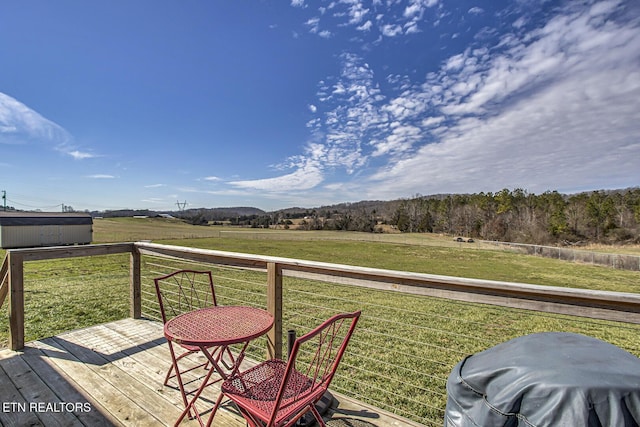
point(182, 205)
point(4, 200)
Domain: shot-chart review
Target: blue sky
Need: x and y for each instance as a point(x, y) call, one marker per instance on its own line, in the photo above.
point(275, 104)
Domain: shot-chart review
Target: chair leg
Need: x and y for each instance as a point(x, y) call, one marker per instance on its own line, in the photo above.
point(232, 361)
point(251, 422)
point(173, 367)
point(317, 416)
point(215, 408)
point(166, 379)
point(311, 409)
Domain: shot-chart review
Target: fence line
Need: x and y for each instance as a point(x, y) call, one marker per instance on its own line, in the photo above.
point(619, 261)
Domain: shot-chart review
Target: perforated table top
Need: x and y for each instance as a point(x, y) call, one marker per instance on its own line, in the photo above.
point(221, 325)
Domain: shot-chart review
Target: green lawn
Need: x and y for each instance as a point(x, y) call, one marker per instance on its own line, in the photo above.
point(449, 261)
point(425, 253)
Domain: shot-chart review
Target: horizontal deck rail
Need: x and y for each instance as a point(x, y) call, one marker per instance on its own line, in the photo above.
point(604, 305)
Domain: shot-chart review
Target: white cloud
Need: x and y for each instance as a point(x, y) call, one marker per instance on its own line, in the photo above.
point(313, 24)
point(365, 26)
point(548, 141)
point(399, 17)
point(432, 121)
point(351, 110)
point(407, 105)
point(554, 108)
point(412, 10)
point(305, 177)
point(391, 30)
point(401, 139)
point(357, 12)
point(79, 155)
point(20, 124)
point(568, 44)
point(155, 200)
point(101, 176)
point(557, 109)
point(8, 129)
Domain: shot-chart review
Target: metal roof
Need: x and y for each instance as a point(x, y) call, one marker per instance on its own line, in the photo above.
point(44, 218)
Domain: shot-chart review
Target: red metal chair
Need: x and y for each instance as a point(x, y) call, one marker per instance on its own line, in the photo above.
point(277, 393)
point(180, 292)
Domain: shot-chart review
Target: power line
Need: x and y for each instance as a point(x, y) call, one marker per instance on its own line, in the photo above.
point(5, 200)
point(35, 207)
point(29, 200)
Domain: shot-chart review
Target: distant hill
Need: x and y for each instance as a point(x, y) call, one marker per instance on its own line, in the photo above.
point(210, 214)
point(380, 206)
point(219, 214)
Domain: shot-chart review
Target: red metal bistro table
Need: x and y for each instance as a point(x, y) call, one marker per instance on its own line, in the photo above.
point(217, 326)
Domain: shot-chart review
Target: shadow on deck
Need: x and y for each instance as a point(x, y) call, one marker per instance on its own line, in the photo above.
point(112, 375)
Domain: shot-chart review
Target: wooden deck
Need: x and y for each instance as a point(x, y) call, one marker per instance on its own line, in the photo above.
point(111, 375)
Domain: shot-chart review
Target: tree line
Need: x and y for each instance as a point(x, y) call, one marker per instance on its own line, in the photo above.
point(508, 215)
point(610, 217)
point(519, 216)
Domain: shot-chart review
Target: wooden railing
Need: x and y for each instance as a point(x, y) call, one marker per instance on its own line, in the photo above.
point(615, 306)
point(15, 259)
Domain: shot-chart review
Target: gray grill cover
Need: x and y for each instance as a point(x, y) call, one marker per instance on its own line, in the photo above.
point(547, 379)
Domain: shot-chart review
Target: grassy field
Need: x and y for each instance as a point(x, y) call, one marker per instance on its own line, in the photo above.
point(70, 294)
point(424, 253)
point(625, 249)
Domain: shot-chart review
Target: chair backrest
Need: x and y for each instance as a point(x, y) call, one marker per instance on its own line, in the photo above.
point(316, 355)
point(183, 291)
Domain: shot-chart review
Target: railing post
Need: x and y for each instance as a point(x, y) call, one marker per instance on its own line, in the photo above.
point(4, 280)
point(135, 284)
point(274, 305)
point(16, 301)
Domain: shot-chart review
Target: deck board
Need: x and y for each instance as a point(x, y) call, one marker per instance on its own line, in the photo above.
point(12, 414)
point(117, 371)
